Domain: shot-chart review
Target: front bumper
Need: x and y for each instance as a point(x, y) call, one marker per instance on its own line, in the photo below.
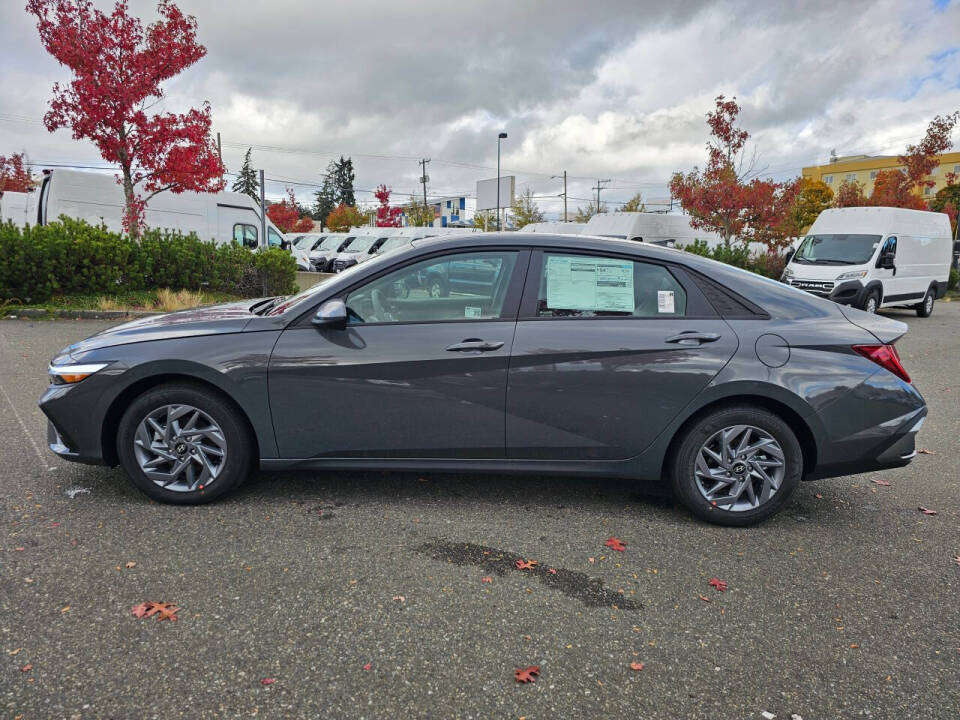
point(75, 418)
point(848, 292)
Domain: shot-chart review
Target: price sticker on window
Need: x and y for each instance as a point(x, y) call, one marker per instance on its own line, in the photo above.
point(665, 302)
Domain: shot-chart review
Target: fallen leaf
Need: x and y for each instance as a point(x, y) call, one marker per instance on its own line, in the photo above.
point(636, 666)
point(552, 571)
point(705, 599)
point(130, 564)
point(14, 652)
point(400, 598)
point(56, 524)
point(368, 666)
point(66, 609)
point(616, 544)
point(592, 561)
point(268, 681)
point(528, 674)
point(818, 496)
point(926, 511)
point(19, 549)
point(719, 584)
point(854, 646)
point(162, 610)
point(27, 668)
point(882, 483)
point(486, 579)
point(526, 564)
point(956, 559)
point(924, 451)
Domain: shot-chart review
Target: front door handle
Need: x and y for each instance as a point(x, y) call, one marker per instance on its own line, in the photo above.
point(692, 337)
point(474, 345)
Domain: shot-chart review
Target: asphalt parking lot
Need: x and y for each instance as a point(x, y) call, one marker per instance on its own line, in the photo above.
point(363, 595)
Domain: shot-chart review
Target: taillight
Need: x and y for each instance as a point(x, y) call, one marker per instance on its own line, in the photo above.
point(886, 356)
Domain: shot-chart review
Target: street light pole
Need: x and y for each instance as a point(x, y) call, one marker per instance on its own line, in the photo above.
point(501, 136)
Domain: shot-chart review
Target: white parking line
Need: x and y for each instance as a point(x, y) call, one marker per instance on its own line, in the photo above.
point(26, 431)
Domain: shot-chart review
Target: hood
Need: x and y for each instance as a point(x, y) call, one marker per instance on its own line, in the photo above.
point(883, 329)
point(809, 271)
point(210, 320)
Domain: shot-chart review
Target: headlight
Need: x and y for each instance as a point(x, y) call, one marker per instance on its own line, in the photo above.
point(70, 374)
point(852, 275)
point(787, 274)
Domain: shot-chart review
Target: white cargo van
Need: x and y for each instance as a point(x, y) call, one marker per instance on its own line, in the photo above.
point(559, 228)
point(15, 207)
point(97, 198)
point(655, 228)
point(873, 257)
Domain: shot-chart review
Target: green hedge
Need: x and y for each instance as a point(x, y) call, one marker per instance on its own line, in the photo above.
point(737, 254)
point(73, 257)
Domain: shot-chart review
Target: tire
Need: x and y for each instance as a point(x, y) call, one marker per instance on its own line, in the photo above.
point(871, 303)
point(687, 477)
point(222, 430)
point(437, 286)
point(925, 309)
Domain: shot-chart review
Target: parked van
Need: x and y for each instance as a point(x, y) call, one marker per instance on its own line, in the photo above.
point(360, 250)
point(873, 257)
point(557, 228)
point(97, 198)
point(15, 207)
point(300, 246)
point(323, 255)
point(656, 228)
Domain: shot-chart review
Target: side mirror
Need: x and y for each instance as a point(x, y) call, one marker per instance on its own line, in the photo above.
point(886, 262)
point(788, 256)
point(332, 315)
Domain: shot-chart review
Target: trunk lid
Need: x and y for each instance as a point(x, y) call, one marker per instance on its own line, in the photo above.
point(884, 329)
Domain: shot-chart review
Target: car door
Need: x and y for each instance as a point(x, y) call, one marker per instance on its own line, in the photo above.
point(412, 375)
point(608, 350)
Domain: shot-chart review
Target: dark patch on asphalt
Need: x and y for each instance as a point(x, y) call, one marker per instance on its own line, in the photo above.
point(590, 591)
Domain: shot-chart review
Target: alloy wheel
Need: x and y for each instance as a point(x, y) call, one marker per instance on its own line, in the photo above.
point(739, 468)
point(928, 303)
point(180, 448)
point(871, 304)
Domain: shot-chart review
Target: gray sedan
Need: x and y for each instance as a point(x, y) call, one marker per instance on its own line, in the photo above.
point(549, 354)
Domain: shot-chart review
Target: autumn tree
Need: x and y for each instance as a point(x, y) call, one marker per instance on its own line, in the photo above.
point(386, 216)
point(343, 218)
point(634, 204)
point(923, 158)
point(584, 213)
point(813, 197)
point(117, 67)
point(525, 210)
point(286, 215)
point(486, 219)
point(851, 193)
point(246, 181)
point(947, 200)
point(419, 213)
point(15, 174)
point(723, 198)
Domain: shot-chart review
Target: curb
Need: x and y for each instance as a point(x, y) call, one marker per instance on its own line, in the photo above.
point(62, 314)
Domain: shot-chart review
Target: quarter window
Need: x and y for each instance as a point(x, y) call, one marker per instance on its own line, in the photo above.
point(464, 286)
point(245, 234)
point(592, 286)
point(273, 238)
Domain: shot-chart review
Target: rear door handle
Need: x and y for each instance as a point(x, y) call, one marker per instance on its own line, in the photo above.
point(474, 345)
point(692, 337)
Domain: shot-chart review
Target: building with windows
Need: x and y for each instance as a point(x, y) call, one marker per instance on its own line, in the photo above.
point(449, 210)
point(864, 169)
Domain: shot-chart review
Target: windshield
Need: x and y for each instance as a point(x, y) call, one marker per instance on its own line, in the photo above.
point(362, 243)
point(305, 241)
point(331, 242)
point(838, 249)
point(393, 243)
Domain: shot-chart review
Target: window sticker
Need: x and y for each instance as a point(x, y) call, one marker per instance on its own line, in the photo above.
point(471, 311)
point(665, 301)
point(586, 283)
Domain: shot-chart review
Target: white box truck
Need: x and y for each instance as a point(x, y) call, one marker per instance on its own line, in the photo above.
point(873, 257)
point(97, 198)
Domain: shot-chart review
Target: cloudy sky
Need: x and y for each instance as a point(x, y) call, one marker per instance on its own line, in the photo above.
point(615, 89)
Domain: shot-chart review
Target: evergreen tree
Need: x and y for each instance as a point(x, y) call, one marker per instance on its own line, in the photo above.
point(246, 181)
point(343, 181)
point(325, 199)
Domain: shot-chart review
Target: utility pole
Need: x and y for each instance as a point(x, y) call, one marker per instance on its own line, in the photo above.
point(564, 195)
point(424, 178)
point(263, 214)
point(598, 188)
point(219, 153)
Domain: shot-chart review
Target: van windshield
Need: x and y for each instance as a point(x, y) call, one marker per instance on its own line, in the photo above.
point(838, 249)
point(331, 242)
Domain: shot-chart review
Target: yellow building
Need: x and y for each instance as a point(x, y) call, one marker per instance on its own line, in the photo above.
point(864, 169)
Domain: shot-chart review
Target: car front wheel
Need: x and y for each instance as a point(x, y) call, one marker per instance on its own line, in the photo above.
point(183, 444)
point(737, 466)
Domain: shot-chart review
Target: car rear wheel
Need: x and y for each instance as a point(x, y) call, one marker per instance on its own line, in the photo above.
point(183, 444)
point(925, 309)
point(737, 466)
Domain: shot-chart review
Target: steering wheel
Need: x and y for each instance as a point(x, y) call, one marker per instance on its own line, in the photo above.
point(380, 307)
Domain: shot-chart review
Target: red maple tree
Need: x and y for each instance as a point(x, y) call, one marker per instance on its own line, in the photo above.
point(722, 198)
point(386, 216)
point(117, 67)
point(286, 215)
point(14, 174)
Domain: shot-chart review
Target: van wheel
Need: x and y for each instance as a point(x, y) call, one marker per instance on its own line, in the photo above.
point(737, 466)
point(925, 309)
point(872, 302)
point(181, 443)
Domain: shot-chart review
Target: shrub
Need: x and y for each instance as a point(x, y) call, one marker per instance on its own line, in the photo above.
point(73, 257)
point(770, 264)
point(954, 279)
